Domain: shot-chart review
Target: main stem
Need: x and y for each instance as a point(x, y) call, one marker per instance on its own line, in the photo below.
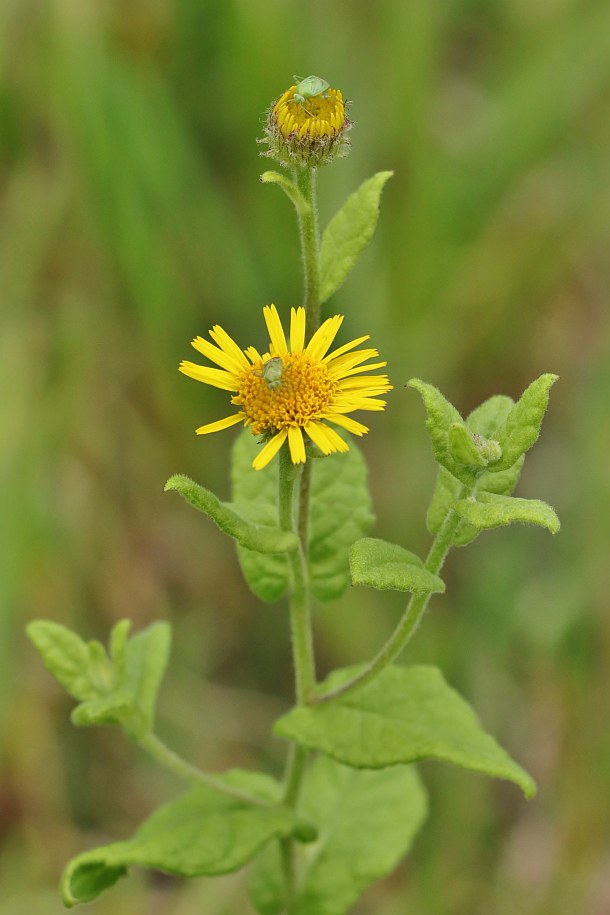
point(306, 181)
point(413, 613)
point(300, 615)
point(300, 612)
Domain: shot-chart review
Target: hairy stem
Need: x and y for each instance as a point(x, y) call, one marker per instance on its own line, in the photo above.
point(306, 181)
point(294, 517)
point(155, 747)
point(414, 611)
point(300, 615)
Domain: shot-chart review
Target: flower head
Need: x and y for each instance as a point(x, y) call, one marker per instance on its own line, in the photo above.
point(293, 388)
point(306, 126)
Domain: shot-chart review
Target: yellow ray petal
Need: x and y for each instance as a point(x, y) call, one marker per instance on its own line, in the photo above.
point(218, 378)
point(322, 340)
point(346, 373)
point(253, 355)
point(297, 330)
point(221, 424)
point(346, 422)
point(353, 402)
point(296, 445)
point(364, 381)
point(317, 433)
point(228, 344)
point(346, 348)
point(346, 362)
point(276, 331)
point(217, 355)
point(267, 453)
point(338, 443)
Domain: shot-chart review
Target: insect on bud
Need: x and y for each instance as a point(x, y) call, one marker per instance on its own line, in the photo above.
point(306, 126)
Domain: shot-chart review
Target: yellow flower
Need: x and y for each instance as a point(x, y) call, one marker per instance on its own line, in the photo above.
point(310, 132)
point(309, 391)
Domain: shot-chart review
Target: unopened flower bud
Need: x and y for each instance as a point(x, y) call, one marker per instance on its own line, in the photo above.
point(307, 125)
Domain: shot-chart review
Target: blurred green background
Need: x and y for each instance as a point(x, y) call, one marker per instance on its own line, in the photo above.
point(131, 219)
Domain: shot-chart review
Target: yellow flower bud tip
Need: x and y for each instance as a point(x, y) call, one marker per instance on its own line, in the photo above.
point(307, 124)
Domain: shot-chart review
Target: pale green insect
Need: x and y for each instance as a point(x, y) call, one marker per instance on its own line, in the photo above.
point(272, 372)
point(310, 87)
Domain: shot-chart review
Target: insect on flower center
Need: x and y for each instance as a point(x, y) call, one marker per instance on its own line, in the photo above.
point(304, 392)
point(312, 117)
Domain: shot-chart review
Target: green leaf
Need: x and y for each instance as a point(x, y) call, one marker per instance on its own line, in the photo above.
point(348, 233)
point(118, 648)
point(386, 566)
point(257, 536)
point(497, 511)
point(463, 448)
point(340, 513)
point(121, 689)
point(146, 659)
point(487, 418)
point(484, 420)
point(403, 715)
point(367, 822)
point(447, 492)
point(442, 417)
point(289, 188)
point(116, 708)
point(65, 656)
point(203, 832)
point(521, 428)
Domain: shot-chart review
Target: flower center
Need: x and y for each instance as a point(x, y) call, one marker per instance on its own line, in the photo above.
point(315, 117)
point(305, 390)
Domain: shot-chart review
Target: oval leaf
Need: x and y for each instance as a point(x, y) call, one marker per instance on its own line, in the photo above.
point(366, 821)
point(388, 567)
point(340, 513)
point(348, 233)
point(404, 715)
point(65, 656)
point(203, 832)
point(521, 428)
point(442, 418)
point(255, 536)
point(498, 511)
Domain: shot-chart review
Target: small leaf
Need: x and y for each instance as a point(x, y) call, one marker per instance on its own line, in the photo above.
point(447, 492)
point(463, 448)
point(386, 566)
point(367, 822)
point(289, 188)
point(521, 428)
point(442, 417)
point(65, 655)
point(496, 511)
point(487, 418)
point(146, 658)
point(254, 536)
point(203, 832)
point(116, 708)
point(340, 513)
point(402, 716)
point(118, 648)
point(121, 689)
point(348, 233)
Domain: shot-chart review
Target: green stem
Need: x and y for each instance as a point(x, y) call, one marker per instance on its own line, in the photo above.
point(300, 614)
point(302, 652)
point(413, 613)
point(306, 181)
point(183, 769)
